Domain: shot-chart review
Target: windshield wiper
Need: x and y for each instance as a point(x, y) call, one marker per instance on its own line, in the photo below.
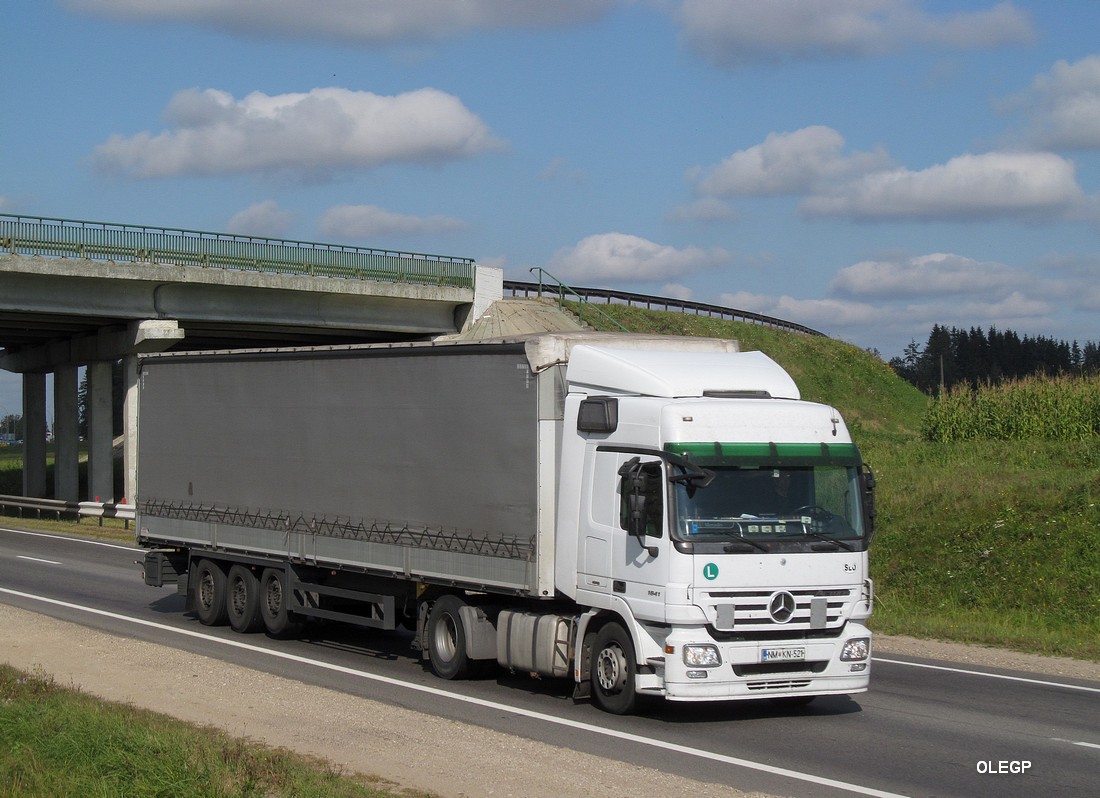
point(731, 547)
point(840, 544)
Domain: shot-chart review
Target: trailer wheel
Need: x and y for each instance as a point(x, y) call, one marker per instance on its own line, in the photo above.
point(273, 600)
point(447, 639)
point(243, 600)
point(210, 593)
point(613, 669)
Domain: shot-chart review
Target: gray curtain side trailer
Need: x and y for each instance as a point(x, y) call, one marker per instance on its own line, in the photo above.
point(344, 482)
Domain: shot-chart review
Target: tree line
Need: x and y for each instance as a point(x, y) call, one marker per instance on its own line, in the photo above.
point(976, 357)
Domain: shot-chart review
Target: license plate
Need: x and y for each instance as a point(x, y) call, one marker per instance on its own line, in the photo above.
point(782, 654)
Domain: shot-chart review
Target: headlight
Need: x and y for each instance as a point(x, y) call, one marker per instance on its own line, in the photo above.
point(858, 648)
point(704, 656)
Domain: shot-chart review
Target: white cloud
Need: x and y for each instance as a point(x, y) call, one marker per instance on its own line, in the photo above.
point(676, 291)
point(939, 274)
point(360, 222)
point(1064, 105)
point(786, 163)
point(821, 314)
point(312, 133)
point(628, 258)
point(369, 21)
point(889, 302)
point(969, 187)
point(264, 219)
point(734, 32)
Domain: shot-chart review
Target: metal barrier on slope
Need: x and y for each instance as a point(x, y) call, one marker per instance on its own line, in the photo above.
point(612, 296)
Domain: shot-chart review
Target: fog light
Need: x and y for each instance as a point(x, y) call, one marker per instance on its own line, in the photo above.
point(697, 674)
point(702, 656)
point(857, 667)
point(857, 648)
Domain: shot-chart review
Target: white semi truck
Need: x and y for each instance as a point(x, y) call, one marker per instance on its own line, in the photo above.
point(643, 515)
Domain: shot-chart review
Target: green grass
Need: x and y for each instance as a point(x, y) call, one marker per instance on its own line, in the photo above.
point(987, 541)
point(56, 743)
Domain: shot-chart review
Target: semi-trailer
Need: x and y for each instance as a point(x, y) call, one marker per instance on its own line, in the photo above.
point(642, 515)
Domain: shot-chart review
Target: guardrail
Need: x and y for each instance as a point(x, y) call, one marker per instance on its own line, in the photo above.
point(40, 235)
point(612, 296)
point(59, 509)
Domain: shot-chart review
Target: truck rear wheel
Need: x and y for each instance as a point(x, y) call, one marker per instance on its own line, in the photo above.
point(273, 599)
point(209, 597)
point(613, 669)
point(447, 639)
point(243, 600)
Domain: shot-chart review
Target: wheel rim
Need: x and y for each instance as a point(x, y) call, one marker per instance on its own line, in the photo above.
point(238, 596)
point(445, 638)
point(274, 597)
point(611, 669)
point(206, 590)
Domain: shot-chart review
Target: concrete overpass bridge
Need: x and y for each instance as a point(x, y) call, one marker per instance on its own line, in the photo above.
point(75, 293)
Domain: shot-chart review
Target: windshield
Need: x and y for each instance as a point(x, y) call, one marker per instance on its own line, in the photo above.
point(755, 504)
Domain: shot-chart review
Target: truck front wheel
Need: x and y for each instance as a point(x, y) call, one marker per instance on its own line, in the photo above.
point(447, 639)
point(613, 670)
point(273, 599)
point(243, 600)
point(210, 593)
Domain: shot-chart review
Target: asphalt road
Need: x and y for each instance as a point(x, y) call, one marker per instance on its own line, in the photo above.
point(924, 728)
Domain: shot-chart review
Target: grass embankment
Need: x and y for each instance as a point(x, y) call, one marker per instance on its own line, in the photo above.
point(57, 742)
point(987, 541)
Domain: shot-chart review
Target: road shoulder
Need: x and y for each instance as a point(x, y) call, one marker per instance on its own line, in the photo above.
point(408, 749)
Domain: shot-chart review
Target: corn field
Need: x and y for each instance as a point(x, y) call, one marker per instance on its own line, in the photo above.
point(1035, 408)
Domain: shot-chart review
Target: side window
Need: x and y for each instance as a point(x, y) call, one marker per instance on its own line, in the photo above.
point(643, 492)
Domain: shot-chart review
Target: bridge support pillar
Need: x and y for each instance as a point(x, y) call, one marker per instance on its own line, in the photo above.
point(129, 426)
point(101, 482)
point(34, 435)
point(66, 434)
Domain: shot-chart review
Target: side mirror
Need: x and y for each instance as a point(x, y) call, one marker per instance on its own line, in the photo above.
point(635, 488)
point(867, 495)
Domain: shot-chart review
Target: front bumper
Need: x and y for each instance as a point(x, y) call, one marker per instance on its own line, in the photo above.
point(744, 671)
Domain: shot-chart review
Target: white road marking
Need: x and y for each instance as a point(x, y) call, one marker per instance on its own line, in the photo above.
point(493, 705)
point(37, 559)
point(990, 675)
point(1075, 742)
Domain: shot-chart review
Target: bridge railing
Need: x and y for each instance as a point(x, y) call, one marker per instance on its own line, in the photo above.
point(69, 238)
point(611, 296)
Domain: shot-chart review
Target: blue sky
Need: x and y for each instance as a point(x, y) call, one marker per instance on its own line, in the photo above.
point(868, 168)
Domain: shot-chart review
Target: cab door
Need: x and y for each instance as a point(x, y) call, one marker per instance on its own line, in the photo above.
point(640, 550)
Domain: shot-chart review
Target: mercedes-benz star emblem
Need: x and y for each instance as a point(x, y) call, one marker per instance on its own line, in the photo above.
point(781, 606)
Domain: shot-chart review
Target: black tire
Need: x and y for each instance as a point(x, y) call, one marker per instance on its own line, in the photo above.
point(242, 600)
point(447, 639)
point(209, 593)
point(613, 669)
point(278, 620)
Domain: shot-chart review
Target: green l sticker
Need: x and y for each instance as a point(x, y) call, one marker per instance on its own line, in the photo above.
point(710, 571)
